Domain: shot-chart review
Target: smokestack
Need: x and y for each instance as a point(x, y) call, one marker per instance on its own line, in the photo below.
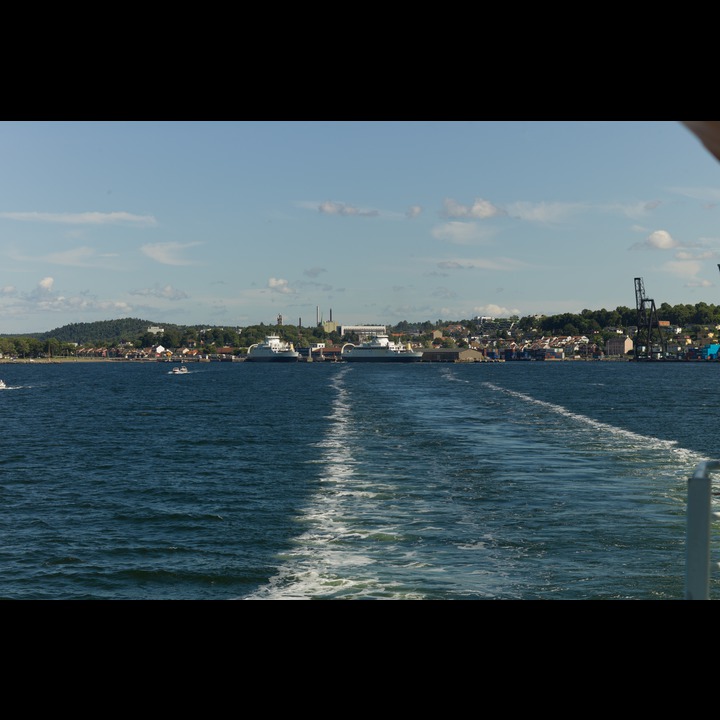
point(330, 314)
point(317, 314)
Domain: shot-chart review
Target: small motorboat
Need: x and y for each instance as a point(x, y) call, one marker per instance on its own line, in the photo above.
point(2, 385)
point(179, 370)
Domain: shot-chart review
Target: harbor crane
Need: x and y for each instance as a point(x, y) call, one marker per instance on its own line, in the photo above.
point(650, 343)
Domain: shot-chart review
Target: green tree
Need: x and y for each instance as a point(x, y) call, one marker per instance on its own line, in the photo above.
point(22, 347)
point(52, 347)
point(7, 346)
point(170, 339)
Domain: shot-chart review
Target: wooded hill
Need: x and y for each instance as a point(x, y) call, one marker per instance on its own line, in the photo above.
point(102, 332)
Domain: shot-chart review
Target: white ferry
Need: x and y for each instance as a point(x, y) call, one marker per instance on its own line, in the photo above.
point(379, 348)
point(272, 350)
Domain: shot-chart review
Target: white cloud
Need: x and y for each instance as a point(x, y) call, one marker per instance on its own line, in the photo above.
point(698, 283)
point(635, 210)
point(113, 305)
point(704, 194)
point(462, 233)
point(280, 286)
point(480, 209)
point(413, 211)
point(496, 311)
point(443, 293)
point(661, 239)
point(684, 268)
point(657, 240)
point(481, 264)
point(688, 255)
point(337, 208)
point(544, 212)
point(78, 257)
point(166, 293)
point(688, 270)
point(314, 271)
point(44, 299)
point(168, 253)
point(87, 218)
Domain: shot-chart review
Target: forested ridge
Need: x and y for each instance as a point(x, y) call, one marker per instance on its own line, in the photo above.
point(101, 332)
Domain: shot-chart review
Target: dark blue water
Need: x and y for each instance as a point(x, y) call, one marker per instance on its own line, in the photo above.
point(561, 480)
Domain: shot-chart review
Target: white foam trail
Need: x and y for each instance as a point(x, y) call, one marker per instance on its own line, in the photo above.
point(687, 458)
point(316, 566)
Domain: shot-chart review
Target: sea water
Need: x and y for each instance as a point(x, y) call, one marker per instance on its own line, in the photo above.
point(334, 481)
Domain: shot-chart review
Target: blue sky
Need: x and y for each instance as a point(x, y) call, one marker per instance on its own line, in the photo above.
point(233, 223)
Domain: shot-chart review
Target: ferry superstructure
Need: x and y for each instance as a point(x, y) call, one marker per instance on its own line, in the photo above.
point(380, 348)
point(272, 350)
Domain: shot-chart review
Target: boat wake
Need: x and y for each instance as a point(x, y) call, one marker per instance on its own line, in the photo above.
point(486, 498)
point(595, 426)
point(373, 524)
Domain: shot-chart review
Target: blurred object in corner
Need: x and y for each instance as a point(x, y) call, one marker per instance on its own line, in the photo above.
point(709, 133)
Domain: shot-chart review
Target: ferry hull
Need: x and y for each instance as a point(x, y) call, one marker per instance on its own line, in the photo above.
point(275, 358)
point(350, 357)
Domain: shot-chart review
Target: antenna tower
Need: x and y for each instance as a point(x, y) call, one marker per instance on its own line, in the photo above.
point(649, 339)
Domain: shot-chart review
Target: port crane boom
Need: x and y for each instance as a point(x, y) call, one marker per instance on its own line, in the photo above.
point(650, 343)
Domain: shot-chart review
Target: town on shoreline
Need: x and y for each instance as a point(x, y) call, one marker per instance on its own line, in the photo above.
point(624, 334)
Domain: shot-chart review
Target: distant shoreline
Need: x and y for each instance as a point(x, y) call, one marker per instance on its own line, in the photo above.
point(71, 360)
point(63, 360)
